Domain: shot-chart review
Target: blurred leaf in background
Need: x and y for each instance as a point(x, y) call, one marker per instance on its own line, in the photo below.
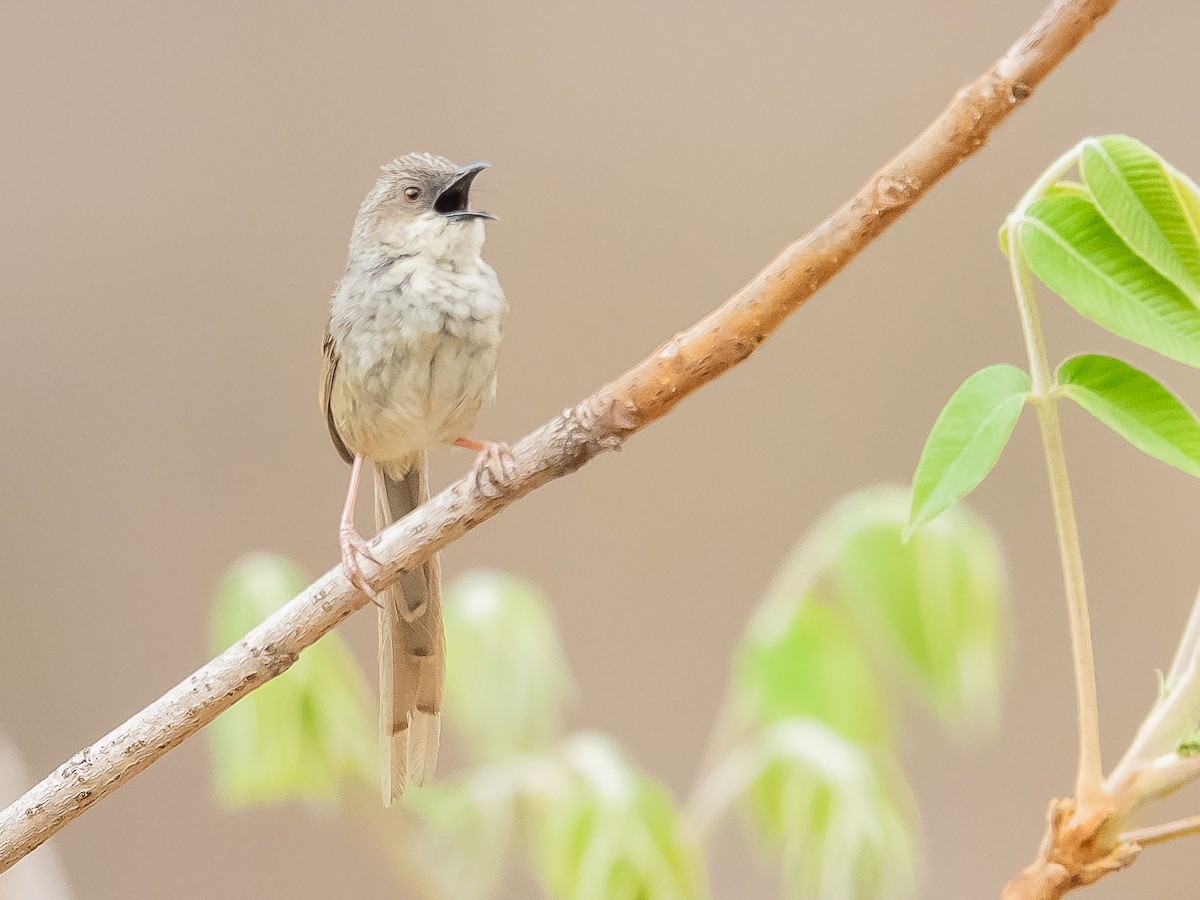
point(506, 683)
point(304, 735)
point(612, 833)
point(594, 827)
point(839, 816)
point(811, 757)
point(814, 765)
point(470, 827)
point(931, 608)
point(808, 664)
point(506, 677)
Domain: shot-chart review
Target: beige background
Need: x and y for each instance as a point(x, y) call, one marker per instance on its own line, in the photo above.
point(178, 182)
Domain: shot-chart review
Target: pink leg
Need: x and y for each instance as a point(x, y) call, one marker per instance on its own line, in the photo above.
point(493, 466)
point(350, 541)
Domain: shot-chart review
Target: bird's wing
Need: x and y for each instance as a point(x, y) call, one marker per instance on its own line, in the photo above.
point(329, 364)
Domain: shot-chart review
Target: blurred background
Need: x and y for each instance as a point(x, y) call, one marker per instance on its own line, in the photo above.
point(179, 182)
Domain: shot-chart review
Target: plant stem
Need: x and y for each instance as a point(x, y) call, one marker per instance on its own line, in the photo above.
point(1047, 179)
point(1088, 782)
point(1188, 644)
point(1173, 716)
point(1158, 834)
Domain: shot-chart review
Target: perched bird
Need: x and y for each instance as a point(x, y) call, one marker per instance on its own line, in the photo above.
point(409, 358)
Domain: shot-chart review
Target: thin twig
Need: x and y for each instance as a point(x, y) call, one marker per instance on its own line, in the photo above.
point(1158, 834)
point(1169, 722)
point(648, 391)
point(1156, 778)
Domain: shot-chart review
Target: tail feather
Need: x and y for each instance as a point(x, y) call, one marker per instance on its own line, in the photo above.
point(411, 647)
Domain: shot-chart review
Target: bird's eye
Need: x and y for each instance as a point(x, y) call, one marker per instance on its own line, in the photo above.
point(412, 193)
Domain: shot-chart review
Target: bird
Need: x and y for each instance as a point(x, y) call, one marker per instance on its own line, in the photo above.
point(408, 359)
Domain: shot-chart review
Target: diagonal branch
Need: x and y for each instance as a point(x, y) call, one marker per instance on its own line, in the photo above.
point(602, 421)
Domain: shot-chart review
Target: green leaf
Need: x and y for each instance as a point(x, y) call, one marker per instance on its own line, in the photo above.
point(470, 826)
point(1189, 200)
point(507, 678)
point(840, 818)
point(967, 439)
point(1068, 189)
point(1136, 407)
point(606, 832)
point(814, 765)
point(305, 735)
point(1140, 199)
point(1061, 188)
point(1072, 248)
point(807, 664)
point(930, 607)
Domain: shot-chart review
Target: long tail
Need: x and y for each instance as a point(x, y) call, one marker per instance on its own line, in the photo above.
point(412, 658)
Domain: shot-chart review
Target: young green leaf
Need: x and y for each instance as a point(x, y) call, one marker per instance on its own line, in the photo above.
point(472, 825)
point(467, 837)
point(507, 677)
point(1136, 407)
point(839, 816)
point(1061, 188)
point(967, 439)
point(606, 832)
point(1072, 248)
point(1139, 198)
point(1068, 189)
point(808, 664)
point(305, 735)
point(1189, 200)
point(931, 607)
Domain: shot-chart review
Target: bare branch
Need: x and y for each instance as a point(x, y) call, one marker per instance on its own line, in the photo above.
point(602, 421)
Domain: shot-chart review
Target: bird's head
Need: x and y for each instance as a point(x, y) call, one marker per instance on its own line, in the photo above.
point(421, 204)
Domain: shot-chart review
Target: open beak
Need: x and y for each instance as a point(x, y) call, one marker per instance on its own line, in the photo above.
point(454, 200)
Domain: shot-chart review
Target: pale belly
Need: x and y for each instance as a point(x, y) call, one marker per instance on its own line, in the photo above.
point(424, 393)
point(417, 348)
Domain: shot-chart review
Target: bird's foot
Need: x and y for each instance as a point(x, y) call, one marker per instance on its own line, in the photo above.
point(493, 466)
point(354, 549)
